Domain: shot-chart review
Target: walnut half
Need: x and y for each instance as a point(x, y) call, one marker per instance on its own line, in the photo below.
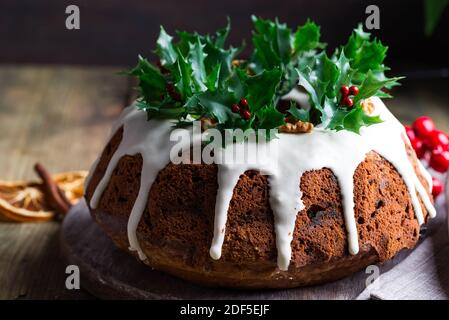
point(368, 106)
point(297, 127)
point(207, 123)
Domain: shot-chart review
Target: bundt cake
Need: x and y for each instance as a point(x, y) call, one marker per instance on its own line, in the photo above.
point(320, 203)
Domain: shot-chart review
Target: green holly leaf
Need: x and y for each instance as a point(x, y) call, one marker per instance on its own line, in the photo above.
point(217, 105)
point(299, 114)
point(151, 81)
point(208, 82)
point(283, 41)
point(269, 118)
point(196, 58)
point(364, 55)
point(371, 86)
point(311, 86)
point(345, 72)
point(335, 119)
point(264, 52)
point(165, 49)
point(272, 43)
point(357, 118)
point(185, 40)
point(319, 79)
point(327, 73)
point(356, 42)
point(183, 76)
point(164, 109)
point(213, 78)
point(235, 84)
point(352, 120)
point(307, 37)
point(331, 112)
point(261, 88)
point(370, 57)
point(222, 34)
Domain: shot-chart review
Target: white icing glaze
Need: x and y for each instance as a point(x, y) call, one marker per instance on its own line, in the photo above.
point(151, 139)
point(296, 154)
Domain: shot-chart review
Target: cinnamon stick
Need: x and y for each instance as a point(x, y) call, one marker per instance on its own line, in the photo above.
point(55, 195)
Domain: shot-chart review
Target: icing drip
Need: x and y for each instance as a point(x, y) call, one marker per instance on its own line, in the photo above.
point(150, 139)
point(296, 154)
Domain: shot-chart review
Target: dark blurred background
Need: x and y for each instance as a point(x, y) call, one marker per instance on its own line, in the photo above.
point(114, 32)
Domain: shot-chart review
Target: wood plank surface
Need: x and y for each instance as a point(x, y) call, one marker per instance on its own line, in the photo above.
point(60, 117)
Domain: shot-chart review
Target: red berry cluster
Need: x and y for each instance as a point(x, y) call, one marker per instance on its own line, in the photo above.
point(431, 144)
point(242, 108)
point(172, 92)
point(161, 67)
point(437, 186)
point(346, 92)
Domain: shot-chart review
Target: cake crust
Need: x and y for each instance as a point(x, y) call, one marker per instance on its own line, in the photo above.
point(176, 228)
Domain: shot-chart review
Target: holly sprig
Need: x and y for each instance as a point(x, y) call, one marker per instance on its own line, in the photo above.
point(197, 76)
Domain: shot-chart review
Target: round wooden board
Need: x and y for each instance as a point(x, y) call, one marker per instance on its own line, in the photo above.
point(110, 273)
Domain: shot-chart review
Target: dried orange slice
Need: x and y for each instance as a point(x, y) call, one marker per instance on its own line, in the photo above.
point(72, 183)
point(25, 201)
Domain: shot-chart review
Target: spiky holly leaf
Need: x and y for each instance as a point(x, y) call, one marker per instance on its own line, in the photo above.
point(319, 79)
point(352, 120)
point(261, 89)
point(165, 48)
point(366, 54)
point(269, 117)
point(216, 105)
point(183, 76)
point(151, 82)
point(371, 86)
point(322, 79)
point(207, 82)
point(222, 34)
point(197, 57)
point(299, 114)
point(212, 79)
point(307, 37)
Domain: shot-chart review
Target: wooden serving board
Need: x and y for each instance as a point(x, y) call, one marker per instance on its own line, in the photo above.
point(109, 273)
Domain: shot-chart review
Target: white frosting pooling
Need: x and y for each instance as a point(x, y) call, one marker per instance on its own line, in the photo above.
point(296, 154)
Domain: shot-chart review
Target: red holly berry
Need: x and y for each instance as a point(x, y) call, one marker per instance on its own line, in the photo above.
point(410, 133)
point(344, 90)
point(172, 92)
point(424, 127)
point(354, 90)
point(161, 67)
point(245, 114)
point(243, 103)
point(437, 186)
point(439, 160)
point(419, 147)
point(438, 139)
point(235, 108)
point(346, 101)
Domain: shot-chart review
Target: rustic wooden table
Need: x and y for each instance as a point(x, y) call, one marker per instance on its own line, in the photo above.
point(60, 116)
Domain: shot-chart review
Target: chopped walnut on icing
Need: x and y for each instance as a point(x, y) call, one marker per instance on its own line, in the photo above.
point(297, 127)
point(207, 123)
point(368, 106)
point(237, 62)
